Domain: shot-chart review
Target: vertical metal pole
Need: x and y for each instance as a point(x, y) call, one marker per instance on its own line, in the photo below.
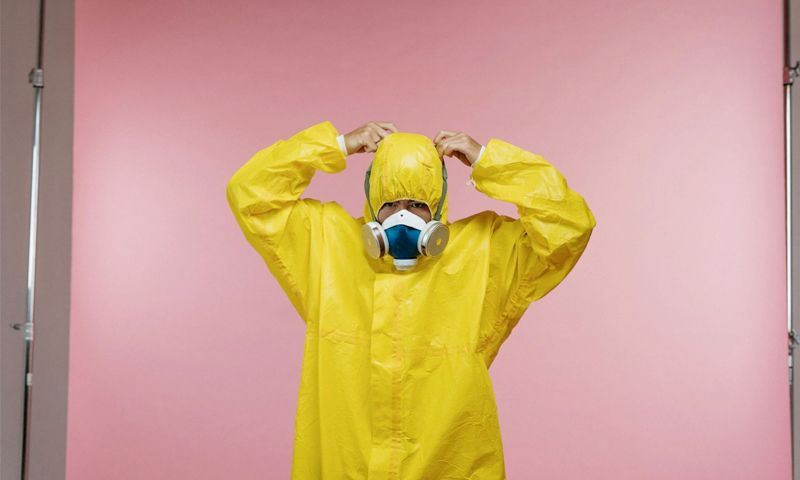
point(788, 78)
point(36, 79)
point(789, 74)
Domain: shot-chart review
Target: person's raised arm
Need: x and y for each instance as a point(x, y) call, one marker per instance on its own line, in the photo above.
point(264, 196)
point(531, 255)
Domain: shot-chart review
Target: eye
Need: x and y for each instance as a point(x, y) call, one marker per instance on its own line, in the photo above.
point(418, 205)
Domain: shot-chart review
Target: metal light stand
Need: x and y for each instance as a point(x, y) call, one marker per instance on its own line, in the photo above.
point(790, 73)
point(36, 79)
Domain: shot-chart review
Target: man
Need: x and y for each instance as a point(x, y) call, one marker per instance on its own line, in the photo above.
point(395, 381)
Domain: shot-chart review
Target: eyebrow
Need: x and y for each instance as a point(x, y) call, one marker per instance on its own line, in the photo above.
point(411, 200)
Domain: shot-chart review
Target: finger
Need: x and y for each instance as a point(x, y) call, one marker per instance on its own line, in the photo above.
point(388, 126)
point(447, 146)
point(458, 147)
point(442, 135)
point(375, 135)
point(371, 146)
point(379, 127)
point(380, 131)
point(440, 149)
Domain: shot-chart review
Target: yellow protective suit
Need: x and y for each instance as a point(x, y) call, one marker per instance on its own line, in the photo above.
point(395, 381)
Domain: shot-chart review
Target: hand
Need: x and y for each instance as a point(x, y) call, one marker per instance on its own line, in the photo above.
point(365, 139)
point(457, 144)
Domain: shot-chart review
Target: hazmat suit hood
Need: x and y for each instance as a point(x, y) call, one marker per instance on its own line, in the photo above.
point(406, 166)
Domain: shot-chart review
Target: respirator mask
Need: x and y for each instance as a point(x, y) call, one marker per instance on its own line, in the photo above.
point(404, 235)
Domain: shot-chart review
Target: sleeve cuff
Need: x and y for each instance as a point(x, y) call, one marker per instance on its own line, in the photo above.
point(342, 146)
point(483, 147)
point(470, 181)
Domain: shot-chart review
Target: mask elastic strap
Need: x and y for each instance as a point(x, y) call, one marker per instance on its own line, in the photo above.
point(438, 214)
point(366, 190)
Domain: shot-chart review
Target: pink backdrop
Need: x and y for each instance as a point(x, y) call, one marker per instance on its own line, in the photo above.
point(662, 355)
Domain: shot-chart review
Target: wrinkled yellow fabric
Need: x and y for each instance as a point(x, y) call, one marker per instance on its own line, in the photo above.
point(406, 165)
point(395, 381)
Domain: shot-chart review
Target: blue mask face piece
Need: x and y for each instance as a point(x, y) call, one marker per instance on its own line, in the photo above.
point(403, 241)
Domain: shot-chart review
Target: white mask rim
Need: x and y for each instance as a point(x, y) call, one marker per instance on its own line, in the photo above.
point(404, 217)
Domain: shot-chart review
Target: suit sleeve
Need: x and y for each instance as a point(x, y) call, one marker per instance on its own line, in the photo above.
point(531, 255)
point(264, 196)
